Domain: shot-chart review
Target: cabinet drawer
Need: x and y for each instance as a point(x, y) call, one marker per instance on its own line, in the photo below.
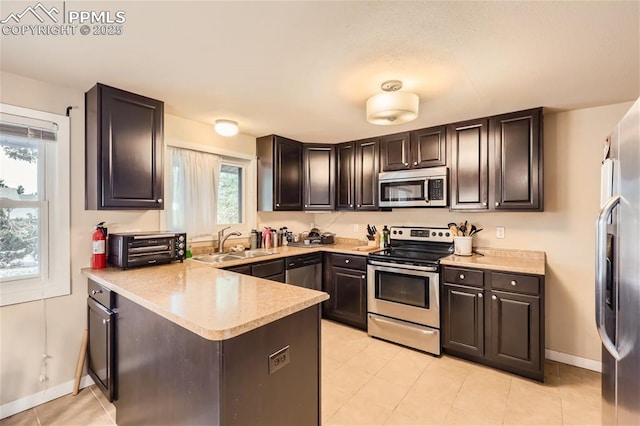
point(241, 269)
point(463, 276)
point(266, 269)
point(101, 294)
point(515, 283)
point(349, 261)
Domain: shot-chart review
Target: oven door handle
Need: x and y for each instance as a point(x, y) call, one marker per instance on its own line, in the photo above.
point(383, 321)
point(389, 266)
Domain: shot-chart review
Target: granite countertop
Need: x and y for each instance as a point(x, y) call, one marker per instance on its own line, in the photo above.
point(521, 261)
point(211, 302)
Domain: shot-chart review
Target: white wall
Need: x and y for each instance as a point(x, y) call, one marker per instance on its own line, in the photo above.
point(565, 230)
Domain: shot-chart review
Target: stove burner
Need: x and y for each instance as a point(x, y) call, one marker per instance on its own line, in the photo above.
point(416, 245)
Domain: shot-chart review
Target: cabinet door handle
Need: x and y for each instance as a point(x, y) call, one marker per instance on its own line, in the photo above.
point(480, 295)
point(513, 282)
point(484, 203)
point(159, 200)
point(415, 163)
point(350, 205)
point(306, 205)
point(105, 321)
point(364, 276)
point(462, 276)
point(359, 205)
point(347, 261)
point(94, 292)
point(406, 164)
point(494, 297)
point(497, 204)
point(277, 205)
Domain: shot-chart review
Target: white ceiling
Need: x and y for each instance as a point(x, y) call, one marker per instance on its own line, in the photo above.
point(305, 69)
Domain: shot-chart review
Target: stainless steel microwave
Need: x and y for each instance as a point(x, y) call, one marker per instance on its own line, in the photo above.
point(414, 188)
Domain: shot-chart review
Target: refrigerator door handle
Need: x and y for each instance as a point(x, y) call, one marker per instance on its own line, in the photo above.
point(601, 273)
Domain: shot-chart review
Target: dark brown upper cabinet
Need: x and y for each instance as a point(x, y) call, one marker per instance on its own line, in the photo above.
point(319, 177)
point(413, 150)
point(429, 147)
point(357, 175)
point(280, 183)
point(123, 150)
point(517, 160)
point(497, 162)
point(395, 152)
point(469, 165)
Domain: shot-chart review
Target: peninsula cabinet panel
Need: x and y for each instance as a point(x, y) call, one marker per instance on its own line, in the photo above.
point(319, 177)
point(357, 175)
point(515, 331)
point(395, 152)
point(463, 314)
point(517, 161)
point(469, 169)
point(123, 150)
point(429, 147)
point(280, 183)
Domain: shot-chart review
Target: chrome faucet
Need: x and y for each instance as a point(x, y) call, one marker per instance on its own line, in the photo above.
point(222, 238)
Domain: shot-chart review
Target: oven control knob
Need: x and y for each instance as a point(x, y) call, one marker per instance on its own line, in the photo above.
point(181, 238)
point(180, 252)
point(433, 234)
point(395, 232)
point(462, 276)
point(439, 234)
point(181, 245)
point(447, 234)
point(400, 232)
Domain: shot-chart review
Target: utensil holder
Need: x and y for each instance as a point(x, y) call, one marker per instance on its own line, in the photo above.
point(462, 246)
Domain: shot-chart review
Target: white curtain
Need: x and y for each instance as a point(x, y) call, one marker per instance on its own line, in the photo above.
point(195, 177)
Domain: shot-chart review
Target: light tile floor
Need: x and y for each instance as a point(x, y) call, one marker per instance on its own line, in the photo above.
point(367, 381)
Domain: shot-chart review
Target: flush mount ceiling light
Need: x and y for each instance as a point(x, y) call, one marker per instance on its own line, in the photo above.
point(226, 127)
point(392, 106)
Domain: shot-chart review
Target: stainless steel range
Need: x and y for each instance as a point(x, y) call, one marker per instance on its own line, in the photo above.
point(403, 284)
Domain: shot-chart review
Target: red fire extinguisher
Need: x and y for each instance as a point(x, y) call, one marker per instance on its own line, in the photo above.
point(99, 257)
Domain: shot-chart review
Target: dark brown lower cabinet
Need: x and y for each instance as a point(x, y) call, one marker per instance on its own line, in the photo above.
point(347, 289)
point(500, 324)
point(515, 331)
point(463, 311)
point(271, 270)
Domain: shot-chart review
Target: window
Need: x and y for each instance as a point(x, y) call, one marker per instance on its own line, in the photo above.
point(34, 205)
point(208, 191)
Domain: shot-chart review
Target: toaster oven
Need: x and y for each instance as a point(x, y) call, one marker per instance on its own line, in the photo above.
point(131, 249)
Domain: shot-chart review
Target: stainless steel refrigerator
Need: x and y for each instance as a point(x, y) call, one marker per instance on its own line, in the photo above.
point(618, 272)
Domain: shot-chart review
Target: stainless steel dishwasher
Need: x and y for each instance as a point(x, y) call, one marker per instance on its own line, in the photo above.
point(305, 270)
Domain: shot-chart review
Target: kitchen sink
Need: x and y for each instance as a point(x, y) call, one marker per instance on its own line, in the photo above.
point(226, 257)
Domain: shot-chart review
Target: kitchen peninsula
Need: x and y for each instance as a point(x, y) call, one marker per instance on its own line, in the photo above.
point(200, 345)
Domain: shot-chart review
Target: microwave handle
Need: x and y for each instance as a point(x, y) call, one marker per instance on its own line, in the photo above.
point(426, 191)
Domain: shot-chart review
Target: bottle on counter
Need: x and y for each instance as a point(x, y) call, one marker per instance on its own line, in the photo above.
point(266, 238)
point(274, 238)
point(259, 238)
point(385, 237)
point(253, 239)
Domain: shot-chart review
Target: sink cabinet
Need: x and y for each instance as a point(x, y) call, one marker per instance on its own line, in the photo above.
point(495, 318)
point(345, 279)
point(123, 150)
point(273, 270)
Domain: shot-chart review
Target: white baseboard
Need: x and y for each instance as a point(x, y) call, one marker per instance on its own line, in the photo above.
point(576, 361)
point(49, 394)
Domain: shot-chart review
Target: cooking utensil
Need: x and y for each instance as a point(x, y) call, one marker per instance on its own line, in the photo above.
point(472, 230)
point(375, 231)
point(476, 231)
point(454, 229)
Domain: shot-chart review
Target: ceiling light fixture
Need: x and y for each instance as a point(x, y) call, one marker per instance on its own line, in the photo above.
point(392, 106)
point(226, 127)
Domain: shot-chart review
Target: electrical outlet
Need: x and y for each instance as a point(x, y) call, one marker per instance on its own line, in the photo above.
point(356, 228)
point(499, 231)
